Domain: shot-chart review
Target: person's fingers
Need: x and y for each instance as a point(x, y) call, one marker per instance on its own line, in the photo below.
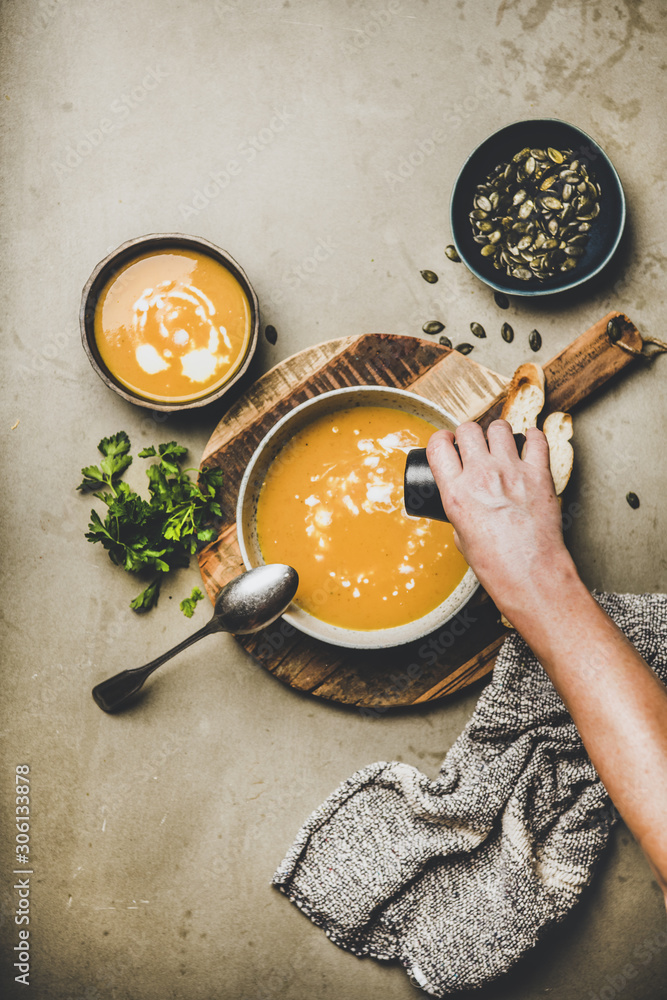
point(471, 442)
point(443, 457)
point(536, 451)
point(501, 440)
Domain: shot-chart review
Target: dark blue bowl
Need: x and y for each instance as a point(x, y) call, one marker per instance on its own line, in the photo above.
point(605, 233)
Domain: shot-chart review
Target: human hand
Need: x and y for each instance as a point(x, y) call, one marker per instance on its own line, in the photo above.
point(504, 510)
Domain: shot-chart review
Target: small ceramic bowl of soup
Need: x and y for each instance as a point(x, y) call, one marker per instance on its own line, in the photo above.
point(169, 322)
point(323, 492)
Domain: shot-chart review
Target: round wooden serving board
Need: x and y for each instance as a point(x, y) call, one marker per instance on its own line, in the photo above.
point(464, 649)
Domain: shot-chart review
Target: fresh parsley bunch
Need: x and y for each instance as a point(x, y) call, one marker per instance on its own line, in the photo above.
point(159, 534)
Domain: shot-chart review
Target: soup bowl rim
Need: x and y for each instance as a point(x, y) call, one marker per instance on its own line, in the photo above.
point(246, 509)
point(124, 254)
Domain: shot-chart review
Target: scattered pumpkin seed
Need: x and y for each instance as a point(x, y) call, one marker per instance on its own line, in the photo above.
point(535, 340)
point(501, 300)
point(433, 326)
point(446, 342)
point(633, 500)
point(529, 217)
point(430, 276)
point(507, 333)
point(464, 348)
point(271, 334)
point(451, 252)
point(478, 330)
point(613, 331)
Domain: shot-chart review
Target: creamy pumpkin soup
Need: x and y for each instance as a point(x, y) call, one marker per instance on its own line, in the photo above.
point(172, 325)
point(332, 507)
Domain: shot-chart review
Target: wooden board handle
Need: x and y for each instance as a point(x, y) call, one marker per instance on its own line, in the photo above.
point(581, 368)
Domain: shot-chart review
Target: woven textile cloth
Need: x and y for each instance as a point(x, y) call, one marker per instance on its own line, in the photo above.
point(457, 877)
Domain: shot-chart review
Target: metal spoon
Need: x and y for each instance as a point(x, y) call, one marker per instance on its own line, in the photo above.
point(247, 604)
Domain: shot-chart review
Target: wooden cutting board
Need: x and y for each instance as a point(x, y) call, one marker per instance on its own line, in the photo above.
point(464, 649)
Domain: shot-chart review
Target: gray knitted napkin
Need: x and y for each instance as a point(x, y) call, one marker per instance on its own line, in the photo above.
point(457, 877)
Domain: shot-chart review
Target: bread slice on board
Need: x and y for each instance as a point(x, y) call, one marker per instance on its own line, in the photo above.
point(525, 398)
point(557, 428)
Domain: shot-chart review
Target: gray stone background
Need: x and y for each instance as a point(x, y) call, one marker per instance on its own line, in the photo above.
point(155, 833)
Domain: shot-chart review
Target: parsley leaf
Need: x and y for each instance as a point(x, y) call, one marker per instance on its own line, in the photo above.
point(188, 605)
point(116, 460)
point(157, 534)
point(147, 599)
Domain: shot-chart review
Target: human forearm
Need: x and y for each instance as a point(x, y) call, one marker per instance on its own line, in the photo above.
point(618, 704)
point(508, 525)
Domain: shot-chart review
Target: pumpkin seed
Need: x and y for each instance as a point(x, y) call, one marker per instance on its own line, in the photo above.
point(433, 326)
point(429, 276)
point(501, 300)
point(271, 334)
point(614, 331)
point(446, 342)
point(452, 254)
point(548, 182)
point(535, 340)
point(478, 330)
point(464, 348)
point(525, 207)
point(507, 333)
point(633, 500)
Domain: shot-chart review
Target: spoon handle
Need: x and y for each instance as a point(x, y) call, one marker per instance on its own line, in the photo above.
point(113, 693)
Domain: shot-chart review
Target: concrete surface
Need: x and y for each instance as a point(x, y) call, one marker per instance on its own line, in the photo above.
point(154, 834)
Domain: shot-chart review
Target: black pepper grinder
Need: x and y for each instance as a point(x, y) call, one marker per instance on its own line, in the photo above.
point(420, 491)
